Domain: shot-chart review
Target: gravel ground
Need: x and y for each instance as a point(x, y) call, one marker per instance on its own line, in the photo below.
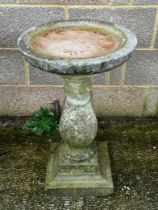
point(133, 148)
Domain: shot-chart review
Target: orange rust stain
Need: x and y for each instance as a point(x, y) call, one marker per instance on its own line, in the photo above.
point(74, 43)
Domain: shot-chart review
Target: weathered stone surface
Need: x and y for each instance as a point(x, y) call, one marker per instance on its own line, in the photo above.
point(116, 76)
point(152, 102)
point(142, 68)
point(78, 128)
point(24, 100)
point(78, 124)
point(95, 183)
point(14, 20)
point(73, 43)
point(145, 2)
point(78, 65)
point(66, 1)
point(40, 77)
point(126, 17)
point(11, 67)
point(71, 167)
point(118, 101)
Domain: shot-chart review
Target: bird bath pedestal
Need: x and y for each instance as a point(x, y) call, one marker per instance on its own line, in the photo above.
point(76, 50)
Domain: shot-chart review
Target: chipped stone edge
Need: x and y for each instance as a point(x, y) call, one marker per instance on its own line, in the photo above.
point(79, 66)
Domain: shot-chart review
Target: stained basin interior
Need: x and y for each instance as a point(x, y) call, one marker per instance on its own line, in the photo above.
point(74, 43)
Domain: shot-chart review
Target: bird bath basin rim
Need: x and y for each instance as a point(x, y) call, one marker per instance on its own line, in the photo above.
point(79, 66)
point(78, 166)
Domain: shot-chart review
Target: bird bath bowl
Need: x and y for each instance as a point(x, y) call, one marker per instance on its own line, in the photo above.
point(76, 50)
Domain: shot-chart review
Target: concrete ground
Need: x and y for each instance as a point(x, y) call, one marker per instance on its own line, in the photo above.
point(133, 148)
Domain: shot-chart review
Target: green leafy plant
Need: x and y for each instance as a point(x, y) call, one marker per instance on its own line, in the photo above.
point(44, 121)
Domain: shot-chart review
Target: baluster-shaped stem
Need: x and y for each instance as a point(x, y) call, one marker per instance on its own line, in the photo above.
point(78, 124)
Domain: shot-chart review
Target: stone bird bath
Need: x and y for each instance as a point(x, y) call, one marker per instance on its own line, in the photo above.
point(76, 50)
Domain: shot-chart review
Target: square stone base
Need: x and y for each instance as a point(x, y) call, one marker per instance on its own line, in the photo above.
point(75, 180)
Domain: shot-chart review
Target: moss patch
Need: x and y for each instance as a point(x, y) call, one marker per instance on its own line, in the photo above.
point(133, 152)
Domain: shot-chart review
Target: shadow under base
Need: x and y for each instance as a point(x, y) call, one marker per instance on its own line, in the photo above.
point(85, 178)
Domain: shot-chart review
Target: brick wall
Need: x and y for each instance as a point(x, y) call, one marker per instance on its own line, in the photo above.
point(130, 90)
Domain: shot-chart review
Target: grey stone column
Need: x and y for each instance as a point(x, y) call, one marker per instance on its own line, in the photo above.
point(78, 124)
